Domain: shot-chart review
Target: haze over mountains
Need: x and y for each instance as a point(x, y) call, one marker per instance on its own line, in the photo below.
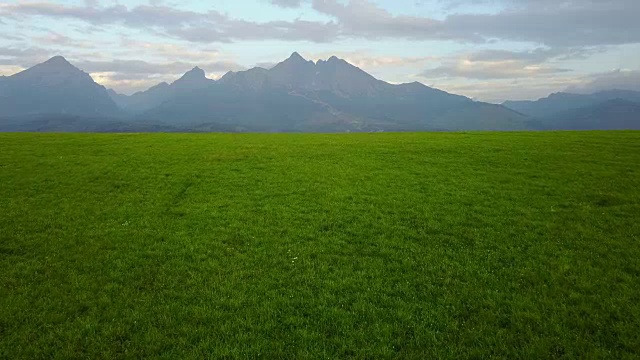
point(294, 95)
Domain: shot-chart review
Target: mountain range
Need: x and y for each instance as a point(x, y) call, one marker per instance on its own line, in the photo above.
point(295, 95)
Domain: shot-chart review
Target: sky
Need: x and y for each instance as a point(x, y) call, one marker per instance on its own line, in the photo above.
point(489, 50)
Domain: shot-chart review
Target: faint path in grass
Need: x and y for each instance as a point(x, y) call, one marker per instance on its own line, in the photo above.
point(178, 198)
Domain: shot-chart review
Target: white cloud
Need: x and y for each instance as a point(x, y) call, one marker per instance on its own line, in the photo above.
point(553, 23)
point(621, 79)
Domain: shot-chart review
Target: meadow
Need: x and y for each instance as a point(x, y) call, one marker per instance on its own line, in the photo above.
point(413, 245)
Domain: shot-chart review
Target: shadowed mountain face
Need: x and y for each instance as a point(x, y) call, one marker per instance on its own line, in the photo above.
point(54, 87)
point(332, 95)
point(192, 80)
point(294, 95)
point(140, 102)
point(334, 75)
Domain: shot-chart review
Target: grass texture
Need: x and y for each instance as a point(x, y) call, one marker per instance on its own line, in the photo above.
point(415, 245)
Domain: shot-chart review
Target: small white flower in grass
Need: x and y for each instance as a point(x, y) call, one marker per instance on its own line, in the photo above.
point(126, 223)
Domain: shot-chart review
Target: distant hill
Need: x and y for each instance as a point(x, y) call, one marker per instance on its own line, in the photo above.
point(559, 102)
point(75, 123)
point(62, 123)
point(54, 87)
point(614, 114)
point(613, 109)
point(553, 104)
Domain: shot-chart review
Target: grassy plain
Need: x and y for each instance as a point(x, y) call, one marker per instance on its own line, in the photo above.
point(417, 245)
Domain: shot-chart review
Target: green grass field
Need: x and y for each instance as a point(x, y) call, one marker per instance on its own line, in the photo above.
point(467, 245)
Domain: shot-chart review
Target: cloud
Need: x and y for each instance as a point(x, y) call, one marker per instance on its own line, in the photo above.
point(127, 85)
point(129, 76)
point(266, 64)
point(552, 23)
point(169, 39)
point(361, 18)
point(490, 70)
point(139, 67)
point(502, 64)
point(15, 37)
point(287, 3)
point(534, 56)
point(7, 70)
point(124, 75)
point(22, 53)
point(22, 58)
point(230, 30)
point(554, 27)
point(54, 38)
point(169, 51)
point(497, 91)
point(368, 61)
point(139, 16)
point(210, 26)
point(621, 79)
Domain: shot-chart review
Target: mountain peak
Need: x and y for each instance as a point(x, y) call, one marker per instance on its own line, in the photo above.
point(57, 87)
point(58, 63)
point(56, 67)
point(296, 56)
point(192, 79)
point(295, 61)
point(57, 60)
point(195, 73)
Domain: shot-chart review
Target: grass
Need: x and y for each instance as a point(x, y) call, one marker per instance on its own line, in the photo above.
point(511, 245)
